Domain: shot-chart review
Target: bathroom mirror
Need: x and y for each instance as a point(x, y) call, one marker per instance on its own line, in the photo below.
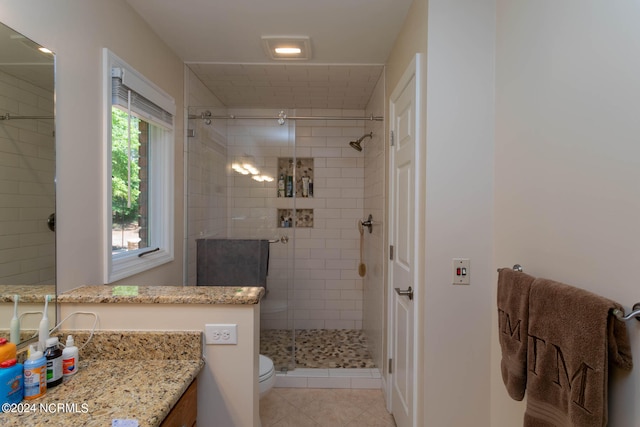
point(27, 182)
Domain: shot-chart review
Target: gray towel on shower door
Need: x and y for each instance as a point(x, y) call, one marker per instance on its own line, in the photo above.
point(232, 262)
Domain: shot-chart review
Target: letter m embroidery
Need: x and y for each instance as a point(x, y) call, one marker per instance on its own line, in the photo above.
point(577, 382)
point(513, 332)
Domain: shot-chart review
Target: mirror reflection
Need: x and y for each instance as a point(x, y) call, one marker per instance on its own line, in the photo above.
point(27, 185)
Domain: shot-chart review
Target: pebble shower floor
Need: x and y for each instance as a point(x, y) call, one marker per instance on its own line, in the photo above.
point(316, 348)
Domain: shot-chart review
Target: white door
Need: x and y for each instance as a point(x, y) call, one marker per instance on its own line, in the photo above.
point(403, 227)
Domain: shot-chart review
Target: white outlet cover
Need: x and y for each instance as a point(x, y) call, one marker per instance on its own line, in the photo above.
point(220, 333)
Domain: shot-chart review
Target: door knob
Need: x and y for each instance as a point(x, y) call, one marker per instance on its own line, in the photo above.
point(406, 292)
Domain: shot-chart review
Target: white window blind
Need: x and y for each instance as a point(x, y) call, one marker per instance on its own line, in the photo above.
point(122, 82)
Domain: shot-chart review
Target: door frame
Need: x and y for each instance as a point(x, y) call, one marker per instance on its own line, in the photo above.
point(413, 70)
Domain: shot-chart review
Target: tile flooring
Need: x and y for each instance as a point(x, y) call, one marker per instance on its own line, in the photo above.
point(316, 348)
point(295, 407)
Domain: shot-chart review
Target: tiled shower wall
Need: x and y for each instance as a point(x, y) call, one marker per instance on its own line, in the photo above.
point(27, 189)
point(325, 291)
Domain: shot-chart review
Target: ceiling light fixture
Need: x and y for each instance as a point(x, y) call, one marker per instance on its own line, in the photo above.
point(287, 48)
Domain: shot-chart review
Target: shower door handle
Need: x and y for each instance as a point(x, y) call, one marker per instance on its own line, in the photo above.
point(405, 292)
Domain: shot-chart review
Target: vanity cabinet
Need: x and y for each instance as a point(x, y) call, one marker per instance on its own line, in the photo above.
point(185, 412)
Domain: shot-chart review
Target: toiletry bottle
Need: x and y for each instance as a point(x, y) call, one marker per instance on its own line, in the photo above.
point(53, 354)
point(7, 350)
point(11, 382)
point(289, 186)
point(35, 375)
point(281, 186)
point(69, 359)
point(305, 186)
point(310, 187)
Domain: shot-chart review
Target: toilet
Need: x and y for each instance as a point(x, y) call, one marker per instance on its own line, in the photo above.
point(267, 377)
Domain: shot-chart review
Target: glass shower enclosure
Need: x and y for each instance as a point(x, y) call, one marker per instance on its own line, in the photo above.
point(242, 178)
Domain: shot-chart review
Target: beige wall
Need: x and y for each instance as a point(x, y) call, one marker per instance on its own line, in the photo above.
point(567, 198)
point(459, 210)
point(73, 31)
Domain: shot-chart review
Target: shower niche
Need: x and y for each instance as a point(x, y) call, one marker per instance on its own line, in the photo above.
point(295, 177)
point(303, 218)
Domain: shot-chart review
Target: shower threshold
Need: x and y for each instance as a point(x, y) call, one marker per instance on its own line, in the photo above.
point(356, 378)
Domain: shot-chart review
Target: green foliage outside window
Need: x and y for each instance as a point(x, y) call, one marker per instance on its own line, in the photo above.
point(119, 161)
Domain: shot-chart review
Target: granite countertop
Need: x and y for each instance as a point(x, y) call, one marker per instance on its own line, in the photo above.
point(27, 293)
point(163, 295)
point(139, 383)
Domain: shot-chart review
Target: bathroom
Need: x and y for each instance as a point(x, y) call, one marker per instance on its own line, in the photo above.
point(497, 123)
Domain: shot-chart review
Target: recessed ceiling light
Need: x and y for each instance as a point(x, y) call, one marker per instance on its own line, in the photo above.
point(287, 48)
point(44, 50)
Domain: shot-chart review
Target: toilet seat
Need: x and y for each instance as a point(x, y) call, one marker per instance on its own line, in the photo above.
point(267, 375)
point(266, 368)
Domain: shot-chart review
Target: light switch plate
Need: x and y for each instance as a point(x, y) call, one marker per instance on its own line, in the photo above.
point(461, 271)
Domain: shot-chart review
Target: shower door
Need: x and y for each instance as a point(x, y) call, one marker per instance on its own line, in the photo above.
point(233, 175)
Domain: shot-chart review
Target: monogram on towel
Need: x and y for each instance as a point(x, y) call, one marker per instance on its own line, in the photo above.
point(572, 338)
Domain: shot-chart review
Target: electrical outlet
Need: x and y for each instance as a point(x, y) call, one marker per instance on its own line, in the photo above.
point(221, 334)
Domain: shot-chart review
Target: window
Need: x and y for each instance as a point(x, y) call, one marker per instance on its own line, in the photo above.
point(139, 141)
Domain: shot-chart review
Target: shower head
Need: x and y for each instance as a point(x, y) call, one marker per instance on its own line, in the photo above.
point(356, 144)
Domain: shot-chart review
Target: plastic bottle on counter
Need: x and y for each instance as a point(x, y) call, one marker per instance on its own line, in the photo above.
point(53, 354)
point(35, 375)
point(7, 350)
point(70, 359)
point(11, 381)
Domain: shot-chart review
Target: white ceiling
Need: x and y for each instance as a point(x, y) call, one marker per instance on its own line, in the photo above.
point(221, 41)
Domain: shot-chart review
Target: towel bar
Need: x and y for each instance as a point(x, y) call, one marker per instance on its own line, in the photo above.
point(635, 313)
point(618, 313)
point(282, 239)
point(516, 267)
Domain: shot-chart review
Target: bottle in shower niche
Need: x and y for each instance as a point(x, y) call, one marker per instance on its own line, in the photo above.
point(305, 185)
point(289, 186)
point(53, 354)
point(310, 187)
point(281, 186)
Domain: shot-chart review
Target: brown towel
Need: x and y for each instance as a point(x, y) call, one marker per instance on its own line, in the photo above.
point(513, 319)
point(572, 339)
